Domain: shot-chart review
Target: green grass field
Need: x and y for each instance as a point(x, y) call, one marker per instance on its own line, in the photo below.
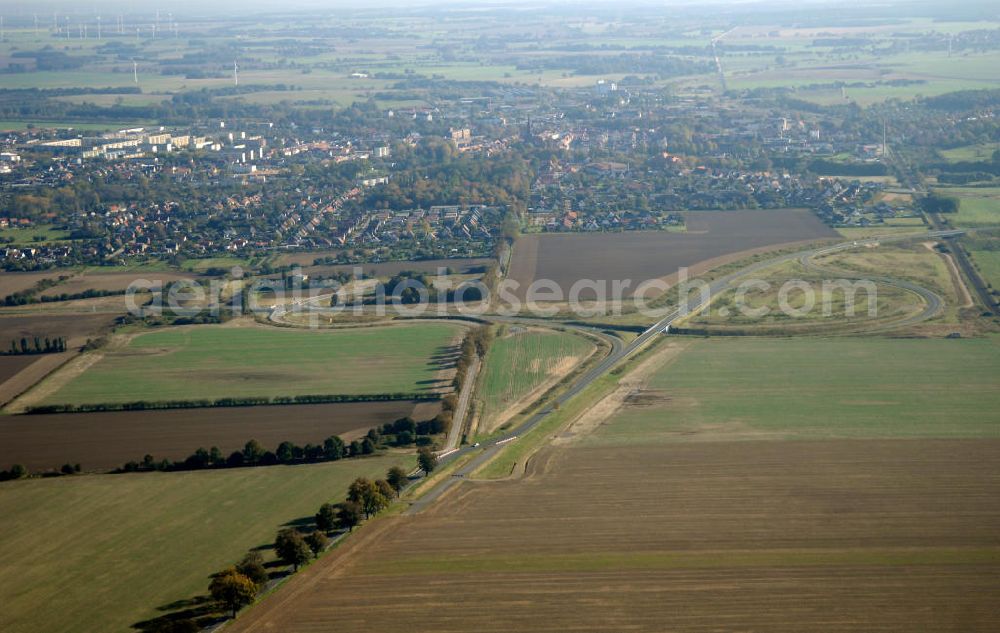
point(520, 362)
point(972, 153)
point(979, 206)
point(196, 362)
point(989, 266)
point(750, 388)
point(862, 232)
point(101, 552)
point(33, 235)
point(979, 211)
point(760, 310)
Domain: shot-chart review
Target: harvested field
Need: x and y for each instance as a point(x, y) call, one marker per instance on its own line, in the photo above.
point(759, 536)
point(626, 527)
point(98, 553)
point(10, 366)
point(30, 374)
point(89, 280)
point(76, 328)
point(104, 441)
point(640, 256)
point(118, 281)
point(16, 282)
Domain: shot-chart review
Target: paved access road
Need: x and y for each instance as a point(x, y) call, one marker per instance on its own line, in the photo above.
point(490, 448)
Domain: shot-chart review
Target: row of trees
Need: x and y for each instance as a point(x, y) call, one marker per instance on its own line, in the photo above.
point(476, 343)
point(38, 345)
point(246, 401)
point(25, 298)
point(254, 454)
point(18, 471)
point(239, 585)
point(403, 432)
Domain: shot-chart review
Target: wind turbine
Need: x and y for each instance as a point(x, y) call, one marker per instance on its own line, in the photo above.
point(236, 73)
point(135, 71)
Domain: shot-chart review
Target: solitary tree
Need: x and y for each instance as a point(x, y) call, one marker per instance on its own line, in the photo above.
point(317, 542)
point(397, 478)
point(427, 460)
point(233, 589)
point(291, 548)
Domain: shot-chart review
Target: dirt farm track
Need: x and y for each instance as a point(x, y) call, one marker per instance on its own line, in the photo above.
point(840, 535)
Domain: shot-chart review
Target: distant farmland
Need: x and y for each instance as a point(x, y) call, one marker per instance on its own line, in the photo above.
point(104, 441)
point(383, 269)
point(76, 328)
point(195, 362)
point(643, 255)
point(78, 282)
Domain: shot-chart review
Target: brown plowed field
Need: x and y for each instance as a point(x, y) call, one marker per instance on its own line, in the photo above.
point(103, 441)
point(77, 328)
point(837, 535)
point(643, 255)
point(10, 366)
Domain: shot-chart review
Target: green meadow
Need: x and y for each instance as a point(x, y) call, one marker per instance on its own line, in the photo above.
point(98, 553)
point(759, 388)
point(195, 362)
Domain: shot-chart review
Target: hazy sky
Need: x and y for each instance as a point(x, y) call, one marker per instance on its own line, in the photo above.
point(22, 7)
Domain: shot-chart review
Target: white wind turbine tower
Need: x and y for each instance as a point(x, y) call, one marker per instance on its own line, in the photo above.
point(135, 71)
point(236, 73)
